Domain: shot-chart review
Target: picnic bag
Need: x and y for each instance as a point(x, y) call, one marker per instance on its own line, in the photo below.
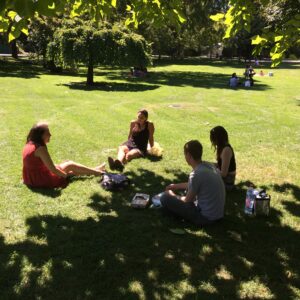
point(257, 202)
point(114, 182)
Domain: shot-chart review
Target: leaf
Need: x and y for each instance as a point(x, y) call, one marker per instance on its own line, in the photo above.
point(180, 16)
point(217, 17)
point(178, 231)
point(278, 38)
point(25, 31)
point(257, 39)
point(12, 14)
point(114, 3)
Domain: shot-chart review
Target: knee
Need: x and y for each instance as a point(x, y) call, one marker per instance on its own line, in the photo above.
point(164, 199)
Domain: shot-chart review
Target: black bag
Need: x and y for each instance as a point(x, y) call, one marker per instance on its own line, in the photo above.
point(114, 182)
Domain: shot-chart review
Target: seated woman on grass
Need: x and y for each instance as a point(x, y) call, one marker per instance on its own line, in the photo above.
point(141, 131)
point(225, 156)
point(39, 171)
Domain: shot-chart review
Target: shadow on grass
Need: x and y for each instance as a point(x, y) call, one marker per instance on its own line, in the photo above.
point(110, 86)
point(52, 193)
point(194, 79)
point(19, 68)
point(124, 253)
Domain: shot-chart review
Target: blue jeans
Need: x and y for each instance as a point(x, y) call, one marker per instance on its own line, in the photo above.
point(186, 210)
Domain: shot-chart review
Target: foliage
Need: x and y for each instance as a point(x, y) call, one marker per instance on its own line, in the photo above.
point(41, 30)
point(194, 35)
point(86, 42)
point(282, 23)
point(20, 11)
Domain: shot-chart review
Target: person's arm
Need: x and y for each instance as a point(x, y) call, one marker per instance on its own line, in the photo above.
point(132, 124)
point(43, 154)
point(177, 186)
point(226, 157)
point(190, 197)
point(151, 134)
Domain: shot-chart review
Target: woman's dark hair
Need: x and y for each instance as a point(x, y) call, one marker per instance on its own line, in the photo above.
point(35, 134)
point(144, 112)
point(194, 148)
point(219, 139)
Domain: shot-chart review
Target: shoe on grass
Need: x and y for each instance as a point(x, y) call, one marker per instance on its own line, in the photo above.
point(118, 165)
point(111, 163)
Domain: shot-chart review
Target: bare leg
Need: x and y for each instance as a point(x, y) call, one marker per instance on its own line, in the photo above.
point(123, 150)
point(134, 153)
point(78, 169)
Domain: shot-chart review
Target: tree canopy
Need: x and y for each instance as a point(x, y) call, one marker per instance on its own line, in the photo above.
point(14, 14)
point(281, 28)
point(92, 44)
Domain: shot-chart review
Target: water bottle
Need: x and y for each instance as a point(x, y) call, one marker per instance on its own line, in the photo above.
point(249, 203)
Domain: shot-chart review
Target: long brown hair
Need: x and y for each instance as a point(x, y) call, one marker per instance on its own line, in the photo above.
point(35, 134)
point(219, 139)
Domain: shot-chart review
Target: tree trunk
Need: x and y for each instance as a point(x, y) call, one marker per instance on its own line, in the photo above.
point(90, 74)
point(14, 49)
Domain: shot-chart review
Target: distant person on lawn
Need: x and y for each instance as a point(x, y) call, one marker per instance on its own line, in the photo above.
point(39, 171)
point(140, 133)
point(234, 80)
point(205, 186)
point(224, 155)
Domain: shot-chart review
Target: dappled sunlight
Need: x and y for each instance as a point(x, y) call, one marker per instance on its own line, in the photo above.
point(254, 289)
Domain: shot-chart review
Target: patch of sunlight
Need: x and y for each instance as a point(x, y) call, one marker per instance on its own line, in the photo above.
point(207, 287)
point(101, 263)
point(66, 264)
point(248, 264)
point(283, 256)
point(136, 287)
point(199, 233)
point(13, 259)
point(153, 274)
point(45, 275)
point(205, 251)
point(26, 269)
point(295, 291)
point(235, 235)
point(254, 289)
point(169, 255)
point(223, 274)
point(186, 269)
point(186, 288)
point(120, 257)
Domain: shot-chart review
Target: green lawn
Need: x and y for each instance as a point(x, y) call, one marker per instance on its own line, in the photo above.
point(85, 243)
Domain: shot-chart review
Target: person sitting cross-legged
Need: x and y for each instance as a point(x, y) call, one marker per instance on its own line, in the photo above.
point(205, 186)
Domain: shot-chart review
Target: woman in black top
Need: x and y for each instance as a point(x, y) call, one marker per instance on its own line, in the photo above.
point(141, 131)
point(225, 155)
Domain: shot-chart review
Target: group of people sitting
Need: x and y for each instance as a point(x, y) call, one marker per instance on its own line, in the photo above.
point(206, 185)
point(249, 73)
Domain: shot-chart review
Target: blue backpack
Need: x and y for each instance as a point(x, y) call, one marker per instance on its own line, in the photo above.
point(114, 182)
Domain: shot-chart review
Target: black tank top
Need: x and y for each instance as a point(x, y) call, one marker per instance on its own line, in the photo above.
point(140, 138)
point(232, 164)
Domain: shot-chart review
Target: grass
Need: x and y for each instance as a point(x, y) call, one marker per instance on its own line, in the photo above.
point(85, 243)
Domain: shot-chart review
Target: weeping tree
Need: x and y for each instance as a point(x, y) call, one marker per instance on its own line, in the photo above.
point(85, 42)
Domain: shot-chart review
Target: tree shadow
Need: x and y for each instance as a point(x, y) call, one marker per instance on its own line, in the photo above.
point(123, 253)
point(19, 68)
point(194, 79)
point(110, 86)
